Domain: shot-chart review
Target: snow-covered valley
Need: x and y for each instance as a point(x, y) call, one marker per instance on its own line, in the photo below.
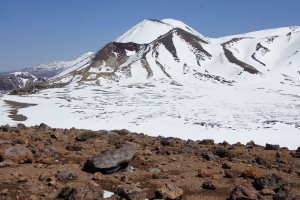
point(233, 114)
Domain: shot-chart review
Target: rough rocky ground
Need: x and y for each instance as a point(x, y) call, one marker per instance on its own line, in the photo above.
point(46, 163)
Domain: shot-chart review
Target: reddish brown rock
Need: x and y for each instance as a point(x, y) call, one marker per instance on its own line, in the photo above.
point(19, 153)
point(169, 191)
point(86, 192)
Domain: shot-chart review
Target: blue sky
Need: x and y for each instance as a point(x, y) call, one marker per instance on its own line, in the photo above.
point(40, 31)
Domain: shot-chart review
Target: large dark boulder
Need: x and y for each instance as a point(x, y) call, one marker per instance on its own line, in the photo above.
point(112, 160)
point(271, 181)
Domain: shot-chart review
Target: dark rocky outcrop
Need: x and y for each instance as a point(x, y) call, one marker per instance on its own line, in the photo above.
point(271, 181)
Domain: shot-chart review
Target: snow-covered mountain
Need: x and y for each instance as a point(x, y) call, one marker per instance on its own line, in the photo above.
point(16, 80)
point(52, 69)
point(169, 50)
point(40, 73)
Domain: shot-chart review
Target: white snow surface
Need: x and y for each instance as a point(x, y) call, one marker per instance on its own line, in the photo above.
point(149, 30)
point(264, 114)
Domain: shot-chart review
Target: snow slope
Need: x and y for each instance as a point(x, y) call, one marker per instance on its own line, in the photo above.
point(150, 29)
point(54, 68)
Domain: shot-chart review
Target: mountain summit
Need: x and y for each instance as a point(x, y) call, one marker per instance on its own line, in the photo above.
point(150, 29)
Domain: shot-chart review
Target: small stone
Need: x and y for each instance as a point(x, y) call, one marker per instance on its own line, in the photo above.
point(42, 177)
point(66, 174)
point(131, 192)
point(207, 142)
point(261, 161)
point(74, 148)
point(4, 192)
point(169, 191)
point(56, 135)
point(124, 179)
point(210, 166)
point(284, 195)
point(226, 165)
point(22, 179)
point(208, 186)
point(203, 173)
point(147, 153)
point(272, 147)
point(33, 197)
point(51, 181)
point(267, 192)
point(7, 163)
point(209, 156)
point(229, 175)
point(154, 169)
point(251, 173)
point(160, 176)
point(86, 192)
point(44, 127)
point(97, 176)
point(251, 143)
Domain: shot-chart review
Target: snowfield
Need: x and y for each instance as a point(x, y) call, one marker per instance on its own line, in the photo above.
point(234, 114)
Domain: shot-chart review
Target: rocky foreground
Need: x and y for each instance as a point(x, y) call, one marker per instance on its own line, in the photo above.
point(46, 163)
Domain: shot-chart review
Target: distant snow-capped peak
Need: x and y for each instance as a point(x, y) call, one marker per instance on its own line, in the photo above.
point(150, 29)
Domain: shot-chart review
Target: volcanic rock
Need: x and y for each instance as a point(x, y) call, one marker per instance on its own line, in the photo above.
point(203, 173)
point(284, 195)
point(169, 191)
point(131, 192)
point(19, 153)
point(66, 174)
point(271, 147)
point(86, 192)
point(207, 142)
point(208, 186)
point(243, 192)
point(112, 160)
point(271, 181)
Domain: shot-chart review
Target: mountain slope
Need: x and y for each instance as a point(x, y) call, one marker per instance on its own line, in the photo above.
point(52, 69)
point(169, 50)
point(15, 80)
